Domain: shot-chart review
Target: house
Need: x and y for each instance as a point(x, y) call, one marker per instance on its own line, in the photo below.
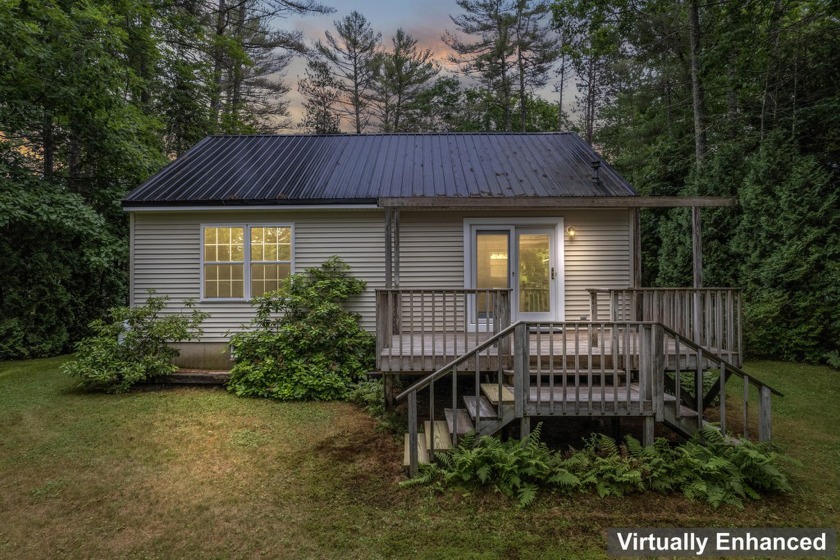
point(513, 259)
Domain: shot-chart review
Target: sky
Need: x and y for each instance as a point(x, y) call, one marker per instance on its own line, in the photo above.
point(425, 20)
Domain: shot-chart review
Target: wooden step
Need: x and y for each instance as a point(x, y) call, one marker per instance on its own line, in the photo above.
point(465, 424)
point(686, 412)
point(474, 404)
point(422, 451)
point(491, 391)
point(572, 372)
point(443, 441)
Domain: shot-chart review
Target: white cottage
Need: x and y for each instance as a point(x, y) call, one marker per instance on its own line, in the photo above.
point(461, 239)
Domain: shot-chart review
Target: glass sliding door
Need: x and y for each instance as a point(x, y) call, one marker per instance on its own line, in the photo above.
point(492, 270)
point(536, 274)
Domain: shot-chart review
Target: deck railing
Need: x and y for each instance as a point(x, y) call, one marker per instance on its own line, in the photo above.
point(710, 317)
point(420, 329)
point(556, 371)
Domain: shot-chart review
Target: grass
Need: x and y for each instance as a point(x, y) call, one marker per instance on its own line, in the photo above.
point(199, 473)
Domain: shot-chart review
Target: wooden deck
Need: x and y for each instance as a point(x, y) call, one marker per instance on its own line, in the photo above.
point(425, 352)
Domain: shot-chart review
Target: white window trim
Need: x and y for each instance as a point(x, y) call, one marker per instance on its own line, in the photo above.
point(471, 225)
point(246, 263)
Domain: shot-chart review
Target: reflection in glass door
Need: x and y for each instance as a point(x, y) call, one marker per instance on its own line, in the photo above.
point(492, 270)
point(534, 273)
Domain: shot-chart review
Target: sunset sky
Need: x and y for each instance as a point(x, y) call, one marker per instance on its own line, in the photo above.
point(426, 20)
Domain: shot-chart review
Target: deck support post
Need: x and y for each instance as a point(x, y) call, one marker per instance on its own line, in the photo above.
point(521, 366)
point(412, 434)
point(647, 431)
point(389, 260)
point(764, 422)
point(524, 428)
point(636, 218)
point(388, 385)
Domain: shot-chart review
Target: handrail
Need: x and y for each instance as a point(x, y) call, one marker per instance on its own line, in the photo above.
point(437, 290)
point(426, 381)
point(716, 358)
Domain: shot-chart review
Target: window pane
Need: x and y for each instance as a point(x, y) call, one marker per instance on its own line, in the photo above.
point(224, 244)
point(267, 277)
point(224, 281)
point(270, 244)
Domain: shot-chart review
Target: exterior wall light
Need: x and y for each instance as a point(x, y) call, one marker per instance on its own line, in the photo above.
point(571, 231)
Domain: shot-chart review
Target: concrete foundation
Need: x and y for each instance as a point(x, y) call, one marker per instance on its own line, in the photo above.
point(204, 355)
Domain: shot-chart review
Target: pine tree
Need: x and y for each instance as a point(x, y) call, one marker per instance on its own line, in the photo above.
point(352, 58)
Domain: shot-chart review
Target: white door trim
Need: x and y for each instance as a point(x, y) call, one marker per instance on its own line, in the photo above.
point(471, 225)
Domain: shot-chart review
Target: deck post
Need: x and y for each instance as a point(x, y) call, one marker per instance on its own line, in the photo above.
point(521, 365)
point(389, 261)
point(637, 247)
point(412, 434)
point(657, 363)
point(524, 427)
point(647, 431)
point(697, 272)
point(764, 420)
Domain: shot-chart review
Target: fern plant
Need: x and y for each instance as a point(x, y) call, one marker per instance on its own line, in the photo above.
point(709, 468)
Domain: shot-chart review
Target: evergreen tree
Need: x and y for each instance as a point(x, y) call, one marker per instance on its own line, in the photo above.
point(403, 73)
point(352, 58)
point(321, 95)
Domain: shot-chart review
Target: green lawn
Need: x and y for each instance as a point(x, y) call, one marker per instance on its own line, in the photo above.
point(200, 473)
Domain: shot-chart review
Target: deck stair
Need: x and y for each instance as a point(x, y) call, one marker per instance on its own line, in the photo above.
point(522, 386)
point(491, 392)
point(465, 423)
point(422, 451)
point(443, 441)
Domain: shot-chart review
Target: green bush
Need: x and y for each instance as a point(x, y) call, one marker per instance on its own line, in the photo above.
point(303, 344)
point(716, 471)
point(133, 345)
point(370, 395)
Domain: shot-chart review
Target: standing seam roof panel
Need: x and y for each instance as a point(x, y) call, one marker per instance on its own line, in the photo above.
point(277, 169)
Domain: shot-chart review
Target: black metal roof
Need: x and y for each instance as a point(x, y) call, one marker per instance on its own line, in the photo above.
point(359, 169)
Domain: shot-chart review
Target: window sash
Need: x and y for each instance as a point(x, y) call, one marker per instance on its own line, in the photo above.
point(280, 242)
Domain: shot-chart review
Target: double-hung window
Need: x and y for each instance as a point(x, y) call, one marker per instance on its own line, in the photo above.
point(244, 261)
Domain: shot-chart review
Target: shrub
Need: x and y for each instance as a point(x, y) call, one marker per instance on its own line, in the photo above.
point(133, 345)
point(370, 395)
point(715, 470)
point(303, 343)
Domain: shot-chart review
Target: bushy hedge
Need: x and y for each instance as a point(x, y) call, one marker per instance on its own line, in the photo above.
point(133, 345)
point(303, 343)
point(715, 470)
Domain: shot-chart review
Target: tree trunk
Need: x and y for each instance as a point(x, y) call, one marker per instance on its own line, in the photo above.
point(697, 96)
point(238, 75)
point(766, 98)
point(523, 110)
point(560, 101)
point(218, 61)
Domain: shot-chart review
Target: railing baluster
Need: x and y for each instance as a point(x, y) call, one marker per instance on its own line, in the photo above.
point(698, 387)
point(538, 338)
point(628, 366)
point(746, 400)
point(551, 367)
point(432, 421)
point(722, 398)
point(455, 405)
point(603, 371)
point(677, 379)
point(577, 370)
point(564, 339)
point(589, 369)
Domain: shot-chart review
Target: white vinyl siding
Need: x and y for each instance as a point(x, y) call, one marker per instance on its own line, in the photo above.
point(599, 256)
point(167, 257)
point(167, 246)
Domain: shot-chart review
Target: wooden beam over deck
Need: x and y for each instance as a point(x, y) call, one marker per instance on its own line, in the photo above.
point(548, 202)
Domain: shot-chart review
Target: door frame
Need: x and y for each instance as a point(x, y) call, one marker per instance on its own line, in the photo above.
point(471, 225)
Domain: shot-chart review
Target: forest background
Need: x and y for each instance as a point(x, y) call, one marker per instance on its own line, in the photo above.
point(706, 97)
